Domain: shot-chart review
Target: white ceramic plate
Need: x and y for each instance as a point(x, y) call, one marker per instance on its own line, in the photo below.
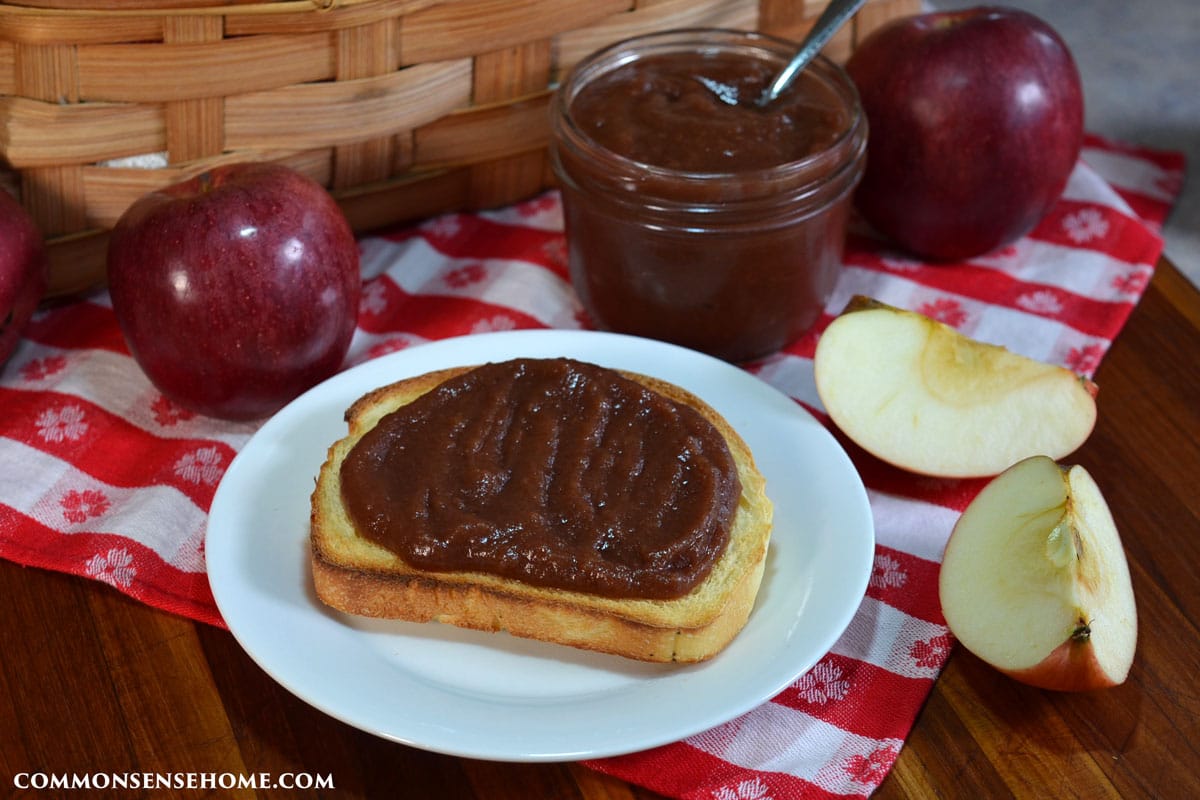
point(497, 697)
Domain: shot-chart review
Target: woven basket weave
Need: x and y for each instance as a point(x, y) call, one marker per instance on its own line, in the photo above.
point(401, 108)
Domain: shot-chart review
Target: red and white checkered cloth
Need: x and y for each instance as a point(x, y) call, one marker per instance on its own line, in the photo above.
point(102, 477)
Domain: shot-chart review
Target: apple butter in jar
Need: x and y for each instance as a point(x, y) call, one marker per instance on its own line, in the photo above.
point(694, 215)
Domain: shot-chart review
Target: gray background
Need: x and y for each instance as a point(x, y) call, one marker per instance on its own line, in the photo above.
point(1140, 64)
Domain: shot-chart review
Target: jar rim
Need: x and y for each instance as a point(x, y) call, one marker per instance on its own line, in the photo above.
point(709, 39)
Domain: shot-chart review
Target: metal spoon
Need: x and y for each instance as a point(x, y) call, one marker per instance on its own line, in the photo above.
point(832, 18)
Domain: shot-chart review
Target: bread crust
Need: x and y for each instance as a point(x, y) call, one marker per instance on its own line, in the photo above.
point(359, 577)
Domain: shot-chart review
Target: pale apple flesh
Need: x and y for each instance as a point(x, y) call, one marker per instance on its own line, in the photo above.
point(1034, 580)
point(918, 394)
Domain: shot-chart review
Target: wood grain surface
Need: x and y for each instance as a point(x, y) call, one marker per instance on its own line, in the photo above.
point(93, 681)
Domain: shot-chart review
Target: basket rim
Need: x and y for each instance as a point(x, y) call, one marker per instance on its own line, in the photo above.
point(260, 7)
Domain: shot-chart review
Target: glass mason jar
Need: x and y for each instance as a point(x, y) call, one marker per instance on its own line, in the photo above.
point(738, 260)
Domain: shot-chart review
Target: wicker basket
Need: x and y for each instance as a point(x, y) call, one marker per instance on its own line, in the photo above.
point(401, 108)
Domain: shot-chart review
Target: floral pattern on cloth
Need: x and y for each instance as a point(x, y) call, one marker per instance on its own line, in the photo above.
point(103, 477)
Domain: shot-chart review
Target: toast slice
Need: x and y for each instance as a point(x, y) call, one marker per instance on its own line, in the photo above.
point(357, 576)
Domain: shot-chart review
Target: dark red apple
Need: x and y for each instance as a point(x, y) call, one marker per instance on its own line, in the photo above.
point(236, 290)
point(976, 121)
point(22, 271)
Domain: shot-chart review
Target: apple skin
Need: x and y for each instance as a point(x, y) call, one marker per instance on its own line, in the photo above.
point(23, 271)
point(1071, 667)
point(236, 290)
point(976, 120)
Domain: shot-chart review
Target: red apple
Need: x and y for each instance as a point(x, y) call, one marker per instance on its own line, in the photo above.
point(236, 290)
point(976, 120)
point(22, 271)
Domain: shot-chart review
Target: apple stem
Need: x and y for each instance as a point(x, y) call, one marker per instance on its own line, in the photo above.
point(1082, 632)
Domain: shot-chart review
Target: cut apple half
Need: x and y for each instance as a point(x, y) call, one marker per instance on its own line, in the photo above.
point(920, 395)
point(1034, 580)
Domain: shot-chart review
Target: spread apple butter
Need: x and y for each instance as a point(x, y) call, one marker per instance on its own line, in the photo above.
point(554, 472)
point(692, 214)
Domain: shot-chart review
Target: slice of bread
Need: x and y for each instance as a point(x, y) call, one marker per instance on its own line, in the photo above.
point(357, 576)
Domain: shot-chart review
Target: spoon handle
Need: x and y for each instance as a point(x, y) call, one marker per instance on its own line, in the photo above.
point(835, 15)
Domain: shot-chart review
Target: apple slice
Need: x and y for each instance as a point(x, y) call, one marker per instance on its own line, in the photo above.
point(1034, 580)
point(922, 396)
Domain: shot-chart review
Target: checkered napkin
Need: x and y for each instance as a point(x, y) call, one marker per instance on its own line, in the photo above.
point(102, 477)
